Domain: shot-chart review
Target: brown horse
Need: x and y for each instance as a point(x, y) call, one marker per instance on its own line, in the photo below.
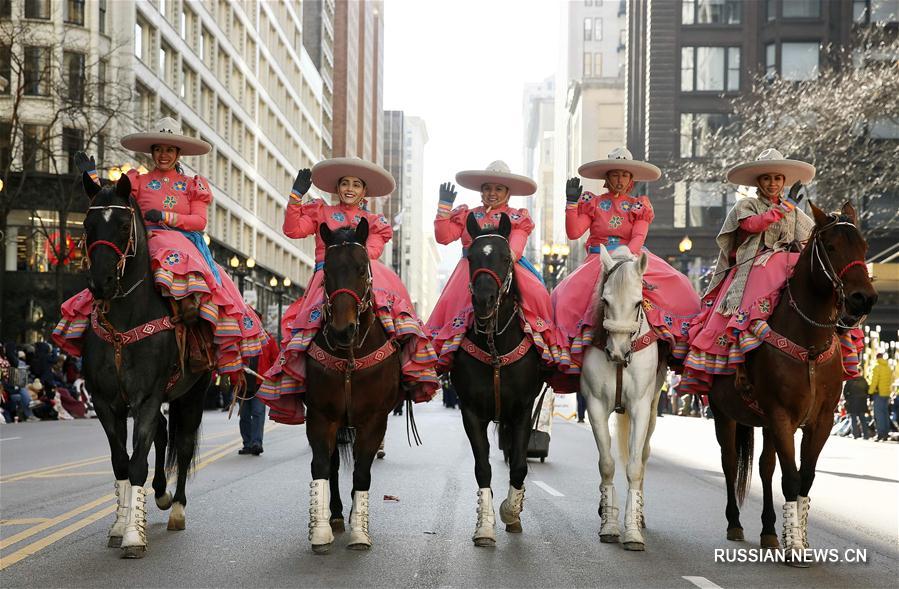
point(830, 281)
point(353, 381)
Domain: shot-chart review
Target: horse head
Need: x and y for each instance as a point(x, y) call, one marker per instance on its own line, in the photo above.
point(622, 300)
point(838, 260)
point(113, 234)
point(347, 280)
point(490, 266)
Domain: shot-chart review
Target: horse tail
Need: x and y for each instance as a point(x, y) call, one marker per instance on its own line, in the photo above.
point(346, 441)
point(744, 438)
point(623, 433)
point(177, 433)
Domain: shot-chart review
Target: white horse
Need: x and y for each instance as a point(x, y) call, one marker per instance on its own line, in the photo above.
point(620, 309)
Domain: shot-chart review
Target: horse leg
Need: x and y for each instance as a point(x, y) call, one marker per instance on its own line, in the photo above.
point(146, 416)
point(163, 498)
point(186, 414)
point(791, 537)
point(368, 438)
point(660, 379)
point(632, 538)
point(115, 425)
point(322, 436)
point(814, 436)
point(599, 411)
point(476, 430)
point(512, 506)
point(336, 520)
point(767, 461)
point(726, 433)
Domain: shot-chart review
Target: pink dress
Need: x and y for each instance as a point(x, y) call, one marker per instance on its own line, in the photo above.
point(719, 341)
point(453, 312)
point(669, 299)
point(179, 270)
point(286, 381)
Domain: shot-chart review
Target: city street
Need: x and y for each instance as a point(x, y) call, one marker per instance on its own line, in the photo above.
point(247, 516)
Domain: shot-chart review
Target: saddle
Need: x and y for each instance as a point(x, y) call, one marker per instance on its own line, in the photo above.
point(195, 340)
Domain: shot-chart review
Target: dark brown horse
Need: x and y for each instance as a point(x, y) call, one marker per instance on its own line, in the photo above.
point(795, 381)
point(352, 381)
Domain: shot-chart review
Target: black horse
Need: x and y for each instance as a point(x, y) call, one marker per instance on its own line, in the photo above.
point(497, 374)
point(129, 372)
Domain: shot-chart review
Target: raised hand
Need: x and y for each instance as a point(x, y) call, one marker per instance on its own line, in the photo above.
point(447, 193)
point(86, 164)
point(302, 183)
point(153, 216)
point(794, 197)
point(573, 190)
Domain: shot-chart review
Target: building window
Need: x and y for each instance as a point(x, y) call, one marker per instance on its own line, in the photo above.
point(75, 12)
point(5, 69)
point(35, 157)
point(702, 204)
point(101, 83)
point(73, 63)
point(882, 11)
point(714, 12)
point(771, 60)
point(143, 106)
point(696, 129)
point(37, 71)
point(37, 9)
point(588, 64)
point(597, 29)
point(588, 29)
point(597, 65)
point(101, 148)
point(800, 8)
point(5, 11)
point(5, 145)
point(72, 142)
point(710, 69)
point(799, 61)
point(101, 22)
point(138, 40)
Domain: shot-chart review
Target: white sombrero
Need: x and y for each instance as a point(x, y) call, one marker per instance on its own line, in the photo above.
point(166, 132)
point(620, 158)
point(771, 161)
point(327, 174)
point(498, 173)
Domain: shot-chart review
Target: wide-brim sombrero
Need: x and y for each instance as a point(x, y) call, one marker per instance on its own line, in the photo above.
point(166, 132)
point(771, 161)
point(327, 174)
point(497, 173)
point(620, 158)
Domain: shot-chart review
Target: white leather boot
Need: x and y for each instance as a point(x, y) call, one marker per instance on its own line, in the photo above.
point(134, 540)
point(360, 539)
point(485, 531)
point(632, 538)
point(320, 534)
point(609, 530)
point(803, 504)
point(510, 509)
point(123, 496)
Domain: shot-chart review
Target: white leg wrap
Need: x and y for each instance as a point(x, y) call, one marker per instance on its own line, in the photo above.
point(136, 523)
point(123, 497)
point(608, 512)
point(633, 518)
point(320, 533)
point(485, 531)
point(803, 504)
point(512, 506)
point(791, 539)
point(359, 536)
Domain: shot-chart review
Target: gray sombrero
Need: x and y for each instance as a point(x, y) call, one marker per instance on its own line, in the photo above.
point(771, 161)
point(620, 158)
point(498, 173)
point(166, 132)
point(327, 174)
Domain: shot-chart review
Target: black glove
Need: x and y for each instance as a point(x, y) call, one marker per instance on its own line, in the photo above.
point(153, 216)
point(86, 164)
point(794, 197)
point(447, 193)
point(573, 190)
point(302, 182)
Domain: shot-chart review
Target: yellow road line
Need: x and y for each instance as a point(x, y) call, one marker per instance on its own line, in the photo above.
point(6, 542)
point(59, 475)
point(25, 474)
point(22, 521)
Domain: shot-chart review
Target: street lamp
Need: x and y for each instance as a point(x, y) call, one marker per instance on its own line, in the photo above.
point(279, 288)
point(241, 269)
point(684, 247)
point(554, 257)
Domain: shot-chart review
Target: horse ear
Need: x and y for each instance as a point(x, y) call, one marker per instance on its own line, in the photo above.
point(607, 261)
point(362, 231)
point(326, 234)
point(505, 225)
point(91, 188)
point(849, 211)
point(820, 216)
point(471, 224)
point(642, 263)
point(123, 188)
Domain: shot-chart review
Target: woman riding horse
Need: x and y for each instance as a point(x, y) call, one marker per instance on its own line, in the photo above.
point(452, 315)
point(616, 219)
point(174, 207)
point(351, 180)
point(754, 262)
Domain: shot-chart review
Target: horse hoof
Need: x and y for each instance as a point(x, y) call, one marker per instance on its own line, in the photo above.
point(608, 538)
point(176, 524)
point(514, 528)
point(164, 502)
point(735, 534)
point(321, 548)
point(485, 542)
point(796, 563)
point(134, 551)
point(769, 541)
point(359, 546)
point(337, 525)
point(114, 542)
point(381, 454)
point(635, 546)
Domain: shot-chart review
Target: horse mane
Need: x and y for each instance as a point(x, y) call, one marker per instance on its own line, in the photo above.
point(345, 234)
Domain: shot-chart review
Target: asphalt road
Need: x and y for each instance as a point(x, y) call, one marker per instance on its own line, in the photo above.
point(247, 516)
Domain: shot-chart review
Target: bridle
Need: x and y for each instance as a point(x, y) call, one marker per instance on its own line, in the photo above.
point(819, 255)
point(363, 303)
point(129, 251)
point(631, 328)
point(504, 285)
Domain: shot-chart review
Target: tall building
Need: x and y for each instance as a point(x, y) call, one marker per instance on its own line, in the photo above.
point(234, 73)
point(539, 117)
point(318, 39)
point(394, 151)
point(687, 59)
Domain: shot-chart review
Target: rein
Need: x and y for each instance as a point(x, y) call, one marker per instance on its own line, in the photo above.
point(129, 252)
